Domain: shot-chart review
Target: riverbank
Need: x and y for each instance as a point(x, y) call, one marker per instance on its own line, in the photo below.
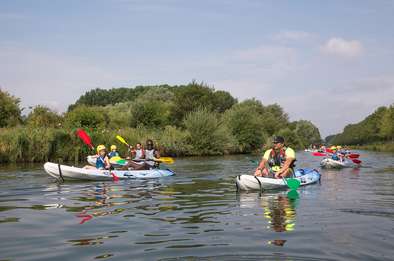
point(382, 147)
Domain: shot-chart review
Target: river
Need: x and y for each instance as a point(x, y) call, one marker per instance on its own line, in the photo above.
point(197, 215)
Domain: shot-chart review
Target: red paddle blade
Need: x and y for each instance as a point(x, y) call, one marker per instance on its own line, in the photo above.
point(114, 177)
point(356, 161)
point(319, 154)
point(84, 137)
point(353, 156)
point(329, 151)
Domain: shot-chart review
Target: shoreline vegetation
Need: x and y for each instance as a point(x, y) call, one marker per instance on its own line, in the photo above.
point(375, 132)
point(185, 120)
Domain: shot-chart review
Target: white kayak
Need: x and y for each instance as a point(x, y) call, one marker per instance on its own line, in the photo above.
point(250, 182)
point(74, 173)
point(329, 163)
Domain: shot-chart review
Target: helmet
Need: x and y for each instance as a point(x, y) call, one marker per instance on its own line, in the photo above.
point(100, 147)
point(113, 147)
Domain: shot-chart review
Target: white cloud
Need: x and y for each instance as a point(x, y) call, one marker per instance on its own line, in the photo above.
point(342, 47)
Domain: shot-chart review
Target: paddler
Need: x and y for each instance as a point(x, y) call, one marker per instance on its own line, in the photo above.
point(114, 152)
point(277, 162)
point(102, 161)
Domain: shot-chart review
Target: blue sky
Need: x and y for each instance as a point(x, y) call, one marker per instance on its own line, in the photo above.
point(331, 62)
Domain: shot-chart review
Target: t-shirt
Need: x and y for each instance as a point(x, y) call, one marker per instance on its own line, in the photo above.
point(289, 152)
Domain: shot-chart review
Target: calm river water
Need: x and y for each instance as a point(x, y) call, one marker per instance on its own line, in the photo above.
point(197, 215)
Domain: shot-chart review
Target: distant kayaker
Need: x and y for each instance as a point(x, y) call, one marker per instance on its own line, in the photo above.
point(114, 152)
point(102, 161)
point(277, 162)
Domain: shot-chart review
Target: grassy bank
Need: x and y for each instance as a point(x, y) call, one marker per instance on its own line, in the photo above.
point(383, 147)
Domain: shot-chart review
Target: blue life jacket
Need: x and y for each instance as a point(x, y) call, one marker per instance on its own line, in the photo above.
point(335, 156)
point(113, 154)
point(100, 163)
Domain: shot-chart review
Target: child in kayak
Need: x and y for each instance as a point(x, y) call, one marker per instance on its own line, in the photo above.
point(114, 152)
point(102, 161)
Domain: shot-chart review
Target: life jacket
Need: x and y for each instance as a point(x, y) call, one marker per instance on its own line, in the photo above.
point(113, 154)
point(335, 156)
point(149, 156)
point(276, 160)
point(100, 162)
point(139, 154)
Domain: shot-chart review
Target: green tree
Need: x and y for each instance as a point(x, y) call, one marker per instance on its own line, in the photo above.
point(190, 98)
point(307, 133)
point(84, 116)
point(387, 123)
point(246, 124)
point(42, 116)
point(207, 133)
point(10, 112)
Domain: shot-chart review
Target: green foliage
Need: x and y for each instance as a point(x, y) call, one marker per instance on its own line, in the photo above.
point(191, 119)
point(152, 114)
point(10, 112)
point(307, 133)
point(246, 125)
point(207, 133)
point(84, 116)
point(42, 116)
point(291, 138)
point(387, 123)
point(368, 130)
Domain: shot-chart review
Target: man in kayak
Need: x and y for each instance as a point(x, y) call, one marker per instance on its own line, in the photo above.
point(277, 162)
point(151, 155)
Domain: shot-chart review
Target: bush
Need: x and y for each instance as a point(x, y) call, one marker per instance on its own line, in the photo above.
point(10, 112)
point(43, 116)
point(247, 126)
point(207, 133)
point(84, 116)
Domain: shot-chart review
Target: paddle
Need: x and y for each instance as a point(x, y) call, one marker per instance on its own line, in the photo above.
point(353, 156)
point(319, 154)
point(122, 140)
point(293, 184)
point(329, 151)
point(85, 138)
point(356, 161)
point(167, 160)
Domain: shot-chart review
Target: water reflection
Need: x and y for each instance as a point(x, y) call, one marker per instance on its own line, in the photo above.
point(279, 210)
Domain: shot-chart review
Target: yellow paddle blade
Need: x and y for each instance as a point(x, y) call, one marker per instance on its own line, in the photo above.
point(167, 160)
point(120, 138)
point(115, 158)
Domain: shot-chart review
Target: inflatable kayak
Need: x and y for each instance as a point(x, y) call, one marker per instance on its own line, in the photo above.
point(73, 173)
point(250, 182)
point(329, 163)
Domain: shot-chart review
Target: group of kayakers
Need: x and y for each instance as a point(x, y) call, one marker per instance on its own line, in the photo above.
point(138, 158)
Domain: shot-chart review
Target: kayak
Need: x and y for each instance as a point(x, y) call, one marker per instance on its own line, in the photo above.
point(250, 182)
point(74, 173)
point(329, 163)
